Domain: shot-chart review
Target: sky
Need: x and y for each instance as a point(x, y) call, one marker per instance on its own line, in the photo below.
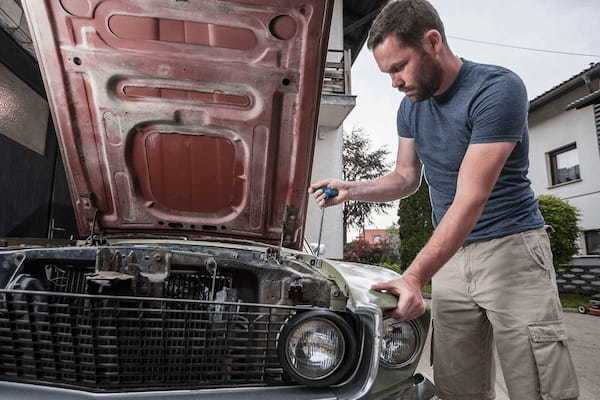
point(557, 25)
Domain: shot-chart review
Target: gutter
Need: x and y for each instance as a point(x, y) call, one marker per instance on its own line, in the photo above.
point(567, 86)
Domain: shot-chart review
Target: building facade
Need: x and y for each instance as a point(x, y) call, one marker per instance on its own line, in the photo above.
point(564, 131)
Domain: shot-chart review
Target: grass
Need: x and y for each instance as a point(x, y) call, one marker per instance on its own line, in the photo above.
point(572, 300)
point(426, 288)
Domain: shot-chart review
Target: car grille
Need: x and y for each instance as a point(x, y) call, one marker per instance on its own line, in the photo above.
point(115, 343)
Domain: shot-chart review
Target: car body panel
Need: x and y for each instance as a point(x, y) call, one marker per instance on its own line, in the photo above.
point(351, 289)
point(190, 117)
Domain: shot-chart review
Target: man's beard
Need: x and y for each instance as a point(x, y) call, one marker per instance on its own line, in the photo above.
point(429, 79)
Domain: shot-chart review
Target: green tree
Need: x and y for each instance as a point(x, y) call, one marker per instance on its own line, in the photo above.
point(415, 224)
point(362, 163)
point(563, 218)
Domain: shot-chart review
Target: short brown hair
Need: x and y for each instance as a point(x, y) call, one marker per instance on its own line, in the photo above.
point(408, 20)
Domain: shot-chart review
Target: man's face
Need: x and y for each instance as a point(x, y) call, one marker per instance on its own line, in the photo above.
point(413, 71)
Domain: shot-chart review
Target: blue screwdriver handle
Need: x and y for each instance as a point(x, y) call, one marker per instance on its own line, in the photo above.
point(329, 192)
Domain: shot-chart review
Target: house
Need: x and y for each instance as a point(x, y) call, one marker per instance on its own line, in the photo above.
point(564, 149)
point(36, 201)
point(351, 21)
point(374, 236)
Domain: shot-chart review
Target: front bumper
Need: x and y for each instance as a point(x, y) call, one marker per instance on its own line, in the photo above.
point(422, 389)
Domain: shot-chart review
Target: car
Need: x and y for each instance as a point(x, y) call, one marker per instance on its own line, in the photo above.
point(187, 131)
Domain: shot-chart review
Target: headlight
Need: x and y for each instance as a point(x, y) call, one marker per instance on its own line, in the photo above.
point(317, 348)
point(399, 343)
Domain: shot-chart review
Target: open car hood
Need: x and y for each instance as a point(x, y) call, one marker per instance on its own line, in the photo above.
point(193, 117)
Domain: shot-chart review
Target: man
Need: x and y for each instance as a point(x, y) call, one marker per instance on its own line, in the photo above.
point(489, 255)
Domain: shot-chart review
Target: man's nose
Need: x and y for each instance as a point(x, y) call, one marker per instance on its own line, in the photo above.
point(397, 81)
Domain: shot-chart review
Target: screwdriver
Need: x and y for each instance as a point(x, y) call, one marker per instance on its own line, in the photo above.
point(329, 194)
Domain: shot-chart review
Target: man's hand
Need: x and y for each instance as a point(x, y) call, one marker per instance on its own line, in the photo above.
point(319, 195)
point(410, 300)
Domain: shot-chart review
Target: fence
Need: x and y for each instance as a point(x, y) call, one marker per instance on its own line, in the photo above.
point(582, 276)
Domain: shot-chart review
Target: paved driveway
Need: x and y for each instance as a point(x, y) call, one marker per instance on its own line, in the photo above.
point(584, 343)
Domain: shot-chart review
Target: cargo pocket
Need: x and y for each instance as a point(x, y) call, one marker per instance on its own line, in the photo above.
point(554, 366)
point(539, 250)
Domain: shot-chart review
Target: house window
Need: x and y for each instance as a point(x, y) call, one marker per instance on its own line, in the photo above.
point(564, 164)
point(592, 242)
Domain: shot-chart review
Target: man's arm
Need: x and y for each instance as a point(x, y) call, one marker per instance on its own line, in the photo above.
point(477, 176)
point(401, 182)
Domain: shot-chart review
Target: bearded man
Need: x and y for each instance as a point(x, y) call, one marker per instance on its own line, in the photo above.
point(463, 125)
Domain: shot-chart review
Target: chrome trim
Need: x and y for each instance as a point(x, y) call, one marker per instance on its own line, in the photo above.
point(371, 319)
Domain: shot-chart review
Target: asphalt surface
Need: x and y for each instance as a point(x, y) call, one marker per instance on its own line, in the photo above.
point(584, 344)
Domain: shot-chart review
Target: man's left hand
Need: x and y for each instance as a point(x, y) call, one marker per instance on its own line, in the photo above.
point(410, 300)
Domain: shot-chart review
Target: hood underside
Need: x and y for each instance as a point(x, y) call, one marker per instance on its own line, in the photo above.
point(190, 116)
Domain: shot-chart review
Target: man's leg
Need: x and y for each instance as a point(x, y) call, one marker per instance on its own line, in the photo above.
point(462, 337)
point(515, 283)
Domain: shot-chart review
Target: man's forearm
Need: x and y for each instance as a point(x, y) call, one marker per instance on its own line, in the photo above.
point(449, 235)
point(392, 186)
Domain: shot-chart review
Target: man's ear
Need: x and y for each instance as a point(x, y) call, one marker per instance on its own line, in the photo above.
point(432, 41)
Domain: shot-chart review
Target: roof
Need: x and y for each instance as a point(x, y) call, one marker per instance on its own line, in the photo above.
point(358, 17)
point(592, 98)
point(566, 86)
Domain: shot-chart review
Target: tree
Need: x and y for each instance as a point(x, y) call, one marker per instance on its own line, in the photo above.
point(361, 163)
point(563, 218)
point(415, 223)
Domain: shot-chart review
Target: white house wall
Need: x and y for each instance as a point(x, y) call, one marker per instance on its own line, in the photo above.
point(550, 128)
point(327, 164)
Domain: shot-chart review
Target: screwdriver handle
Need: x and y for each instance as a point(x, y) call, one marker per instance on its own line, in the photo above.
point(329, 192)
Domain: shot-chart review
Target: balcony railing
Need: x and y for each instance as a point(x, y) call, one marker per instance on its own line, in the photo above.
point(336, 79)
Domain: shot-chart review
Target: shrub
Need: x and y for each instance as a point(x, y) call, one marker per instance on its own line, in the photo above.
point(415, 224)
point(363, 252)
point(381, 253)
point(562, 217)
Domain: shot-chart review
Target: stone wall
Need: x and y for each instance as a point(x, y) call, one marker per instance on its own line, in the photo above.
point(582, 276)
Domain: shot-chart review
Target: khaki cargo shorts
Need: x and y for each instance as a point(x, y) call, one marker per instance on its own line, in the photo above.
point(504, 291)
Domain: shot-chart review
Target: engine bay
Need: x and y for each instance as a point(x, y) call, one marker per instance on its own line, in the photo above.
point(157, 272)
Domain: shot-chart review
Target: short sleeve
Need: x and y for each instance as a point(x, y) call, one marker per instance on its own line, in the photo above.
point(499, 111)
point(402, 124)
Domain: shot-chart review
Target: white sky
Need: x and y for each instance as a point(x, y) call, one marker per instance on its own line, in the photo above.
point(560, 25)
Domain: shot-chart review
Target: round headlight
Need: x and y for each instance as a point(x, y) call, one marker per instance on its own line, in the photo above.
point(399, 343)
point(316, 346)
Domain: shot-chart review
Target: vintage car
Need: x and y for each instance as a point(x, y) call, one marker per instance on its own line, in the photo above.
point(187, 130)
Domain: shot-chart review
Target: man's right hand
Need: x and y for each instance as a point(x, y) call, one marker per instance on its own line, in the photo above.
point(341, 186)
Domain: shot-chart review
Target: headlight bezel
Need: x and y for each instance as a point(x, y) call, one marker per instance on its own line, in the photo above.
point(415, 351)
point(344, 367)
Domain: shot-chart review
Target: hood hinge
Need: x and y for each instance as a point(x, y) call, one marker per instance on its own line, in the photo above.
point(290, 227)
point(95, 238)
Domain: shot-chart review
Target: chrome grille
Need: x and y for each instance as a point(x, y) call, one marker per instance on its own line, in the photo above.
point(115, 343)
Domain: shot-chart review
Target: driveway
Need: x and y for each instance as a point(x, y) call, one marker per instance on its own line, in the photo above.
point(584, 343)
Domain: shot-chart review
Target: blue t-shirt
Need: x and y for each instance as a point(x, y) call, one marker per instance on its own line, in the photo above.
point(485, 104)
